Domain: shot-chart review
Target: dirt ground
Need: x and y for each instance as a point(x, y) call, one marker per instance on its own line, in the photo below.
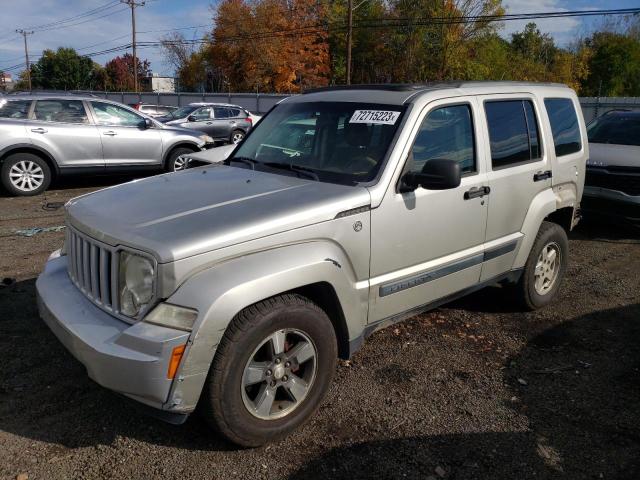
point(476, 389)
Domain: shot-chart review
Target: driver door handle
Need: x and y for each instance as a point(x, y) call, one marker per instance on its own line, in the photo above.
point(477, 192)
point(39, 130)
point(110, 133)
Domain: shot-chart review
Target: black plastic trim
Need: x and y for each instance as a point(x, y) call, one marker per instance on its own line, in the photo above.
point(355, 344)
point(429, 276)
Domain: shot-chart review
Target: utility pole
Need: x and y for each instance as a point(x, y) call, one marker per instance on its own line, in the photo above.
point(132, 4)
point(349, 35)
point(24, 34)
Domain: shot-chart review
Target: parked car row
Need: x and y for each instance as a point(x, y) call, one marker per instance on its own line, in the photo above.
point(224, 122)
point(45, 136)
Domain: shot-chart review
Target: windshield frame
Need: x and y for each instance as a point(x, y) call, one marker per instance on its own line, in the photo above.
point(405, 113)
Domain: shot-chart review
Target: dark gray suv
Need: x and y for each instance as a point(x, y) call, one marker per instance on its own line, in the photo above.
point(42, 136)
point(223, 122)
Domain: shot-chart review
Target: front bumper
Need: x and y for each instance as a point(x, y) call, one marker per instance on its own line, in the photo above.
point(130, 359)
point(611, 204)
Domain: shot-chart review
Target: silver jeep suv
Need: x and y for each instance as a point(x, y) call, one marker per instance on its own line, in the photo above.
point(42, 136)
point(344, 211)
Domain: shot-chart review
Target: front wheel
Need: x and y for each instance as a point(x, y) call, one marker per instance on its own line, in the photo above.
point(271, 370)
point(545, 267)
point(178, 159)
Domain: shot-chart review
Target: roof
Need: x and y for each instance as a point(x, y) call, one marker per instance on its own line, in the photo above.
point(399, 93)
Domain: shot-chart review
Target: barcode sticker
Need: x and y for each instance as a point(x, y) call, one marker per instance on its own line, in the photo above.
point(376, 117)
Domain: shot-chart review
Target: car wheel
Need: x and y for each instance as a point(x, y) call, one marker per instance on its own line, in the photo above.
point(237, 136)
point(545, 267)
point(25, 174)
point(177, 160)
point(271, 370)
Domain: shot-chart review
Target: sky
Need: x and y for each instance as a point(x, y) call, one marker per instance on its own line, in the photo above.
point(112, 26)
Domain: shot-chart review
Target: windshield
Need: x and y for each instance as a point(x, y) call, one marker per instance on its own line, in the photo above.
point(339, 142)
point(615, 129)
point(183, 111)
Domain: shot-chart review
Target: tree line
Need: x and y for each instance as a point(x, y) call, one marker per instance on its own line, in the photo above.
point(288, 46)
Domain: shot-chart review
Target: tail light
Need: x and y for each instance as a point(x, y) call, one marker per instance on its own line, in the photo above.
point(136, 106)
point(250, 120)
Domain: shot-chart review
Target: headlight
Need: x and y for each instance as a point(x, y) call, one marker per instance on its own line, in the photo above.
point(172, 316)
point(136, 283)
point(206, 138)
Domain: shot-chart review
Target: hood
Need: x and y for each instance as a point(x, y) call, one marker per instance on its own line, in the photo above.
point(610, 155)
point(177, 215)
point(175, 121)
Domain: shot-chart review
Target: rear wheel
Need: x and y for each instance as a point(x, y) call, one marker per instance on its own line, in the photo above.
point(25, 174)
point(545, 267)
point(237, 136)
point(271, 370)
point(178, 159)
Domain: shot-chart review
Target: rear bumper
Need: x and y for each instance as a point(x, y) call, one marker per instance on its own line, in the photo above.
point(130, 359)
point(611, 204)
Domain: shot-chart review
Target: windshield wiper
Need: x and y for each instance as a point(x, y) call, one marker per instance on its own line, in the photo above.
point(294, 168)
point(246, 160)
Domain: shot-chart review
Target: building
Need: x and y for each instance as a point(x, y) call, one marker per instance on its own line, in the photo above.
point(6, 82)
point(159, 84)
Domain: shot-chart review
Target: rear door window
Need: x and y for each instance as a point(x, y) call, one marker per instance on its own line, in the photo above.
point(62, 111)
point(221, 112)
point(14, 108)
point(564, 125)
point(513, 132)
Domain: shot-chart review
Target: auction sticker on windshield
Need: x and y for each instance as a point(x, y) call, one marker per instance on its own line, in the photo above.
point(377, 117)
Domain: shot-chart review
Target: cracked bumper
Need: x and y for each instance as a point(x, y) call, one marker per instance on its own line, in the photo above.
point(131, 359)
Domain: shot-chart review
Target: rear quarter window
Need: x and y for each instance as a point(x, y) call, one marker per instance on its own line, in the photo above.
point(14, 108)
point(564, 125)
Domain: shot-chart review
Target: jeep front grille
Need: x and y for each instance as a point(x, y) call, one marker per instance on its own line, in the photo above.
point(93, 267)
point(625, 180)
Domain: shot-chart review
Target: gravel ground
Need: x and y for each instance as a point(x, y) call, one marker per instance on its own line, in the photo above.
point(476, 389)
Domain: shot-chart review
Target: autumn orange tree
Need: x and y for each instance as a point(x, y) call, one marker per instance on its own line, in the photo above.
point(271, 45)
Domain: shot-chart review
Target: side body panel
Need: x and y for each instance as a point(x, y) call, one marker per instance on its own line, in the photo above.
point(219, 293)
point(427, 244)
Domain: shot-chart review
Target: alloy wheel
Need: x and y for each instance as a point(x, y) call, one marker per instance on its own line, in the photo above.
point(279, 374)
point(547, 268)
point(237, 137)
point(180, 163)
point(26, 176)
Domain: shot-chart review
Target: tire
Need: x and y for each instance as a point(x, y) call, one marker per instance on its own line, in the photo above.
point(174, 163)
point(231, 403)
point(537, 291)
point(236, 136)
point(25, 174)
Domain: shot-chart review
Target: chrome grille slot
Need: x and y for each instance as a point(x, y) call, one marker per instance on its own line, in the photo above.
point(92, 267)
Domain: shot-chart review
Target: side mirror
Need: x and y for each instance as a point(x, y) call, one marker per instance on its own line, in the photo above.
point(147, 123)
point(437, 174)
point(191, 118)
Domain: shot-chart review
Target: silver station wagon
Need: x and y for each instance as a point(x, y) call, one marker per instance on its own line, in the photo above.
point(344, 211)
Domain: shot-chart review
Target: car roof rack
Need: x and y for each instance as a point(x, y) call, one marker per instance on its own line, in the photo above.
point(414, 87)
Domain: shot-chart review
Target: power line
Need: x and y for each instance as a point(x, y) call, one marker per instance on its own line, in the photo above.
point(88, 13)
